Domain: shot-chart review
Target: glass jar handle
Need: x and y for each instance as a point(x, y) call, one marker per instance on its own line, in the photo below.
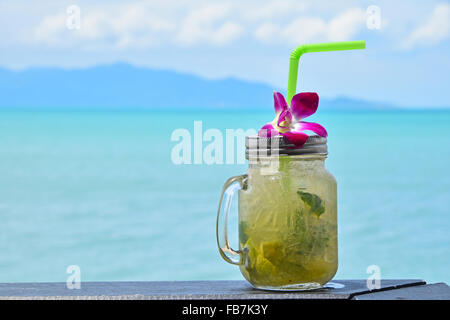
point(229, 189)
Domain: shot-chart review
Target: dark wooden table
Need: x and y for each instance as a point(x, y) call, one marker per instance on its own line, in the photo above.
point(222, 290)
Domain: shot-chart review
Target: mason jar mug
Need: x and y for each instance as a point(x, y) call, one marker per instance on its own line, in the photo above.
point(287, 203)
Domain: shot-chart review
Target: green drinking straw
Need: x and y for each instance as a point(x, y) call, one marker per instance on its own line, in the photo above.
point(316, 47)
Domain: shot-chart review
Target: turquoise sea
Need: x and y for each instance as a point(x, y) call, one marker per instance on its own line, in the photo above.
point(98, 189)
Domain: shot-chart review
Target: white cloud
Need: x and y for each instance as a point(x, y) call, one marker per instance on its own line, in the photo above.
point(48, 29)
point(116, 25)
point(346, 25)
point(306, 29)
point(272, 9)
point(189, 23)
point(267, 32)
point(228, 32)
point(141, 24)
point(435, 30)
point(208, 24)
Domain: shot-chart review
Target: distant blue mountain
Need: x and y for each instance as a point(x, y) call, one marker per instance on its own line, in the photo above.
point(125, 86)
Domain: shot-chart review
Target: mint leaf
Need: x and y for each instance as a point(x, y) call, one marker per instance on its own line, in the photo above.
point(309, 238)
point(313, 201)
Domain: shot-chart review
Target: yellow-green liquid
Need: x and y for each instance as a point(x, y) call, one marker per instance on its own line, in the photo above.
point(288, 227)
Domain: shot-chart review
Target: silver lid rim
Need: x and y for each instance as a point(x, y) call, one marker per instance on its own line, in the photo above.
point(261, 147)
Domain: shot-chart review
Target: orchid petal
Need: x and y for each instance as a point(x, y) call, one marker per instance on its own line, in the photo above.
point(314, 127)
point(284, 120)
point(304, 104)
point(267, 131)
point(279, 102)
point(297, 138)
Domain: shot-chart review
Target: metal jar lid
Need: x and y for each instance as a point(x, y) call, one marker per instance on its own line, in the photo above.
point(256, 146)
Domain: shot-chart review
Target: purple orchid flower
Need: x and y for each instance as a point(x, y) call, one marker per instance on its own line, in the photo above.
point(287, 121)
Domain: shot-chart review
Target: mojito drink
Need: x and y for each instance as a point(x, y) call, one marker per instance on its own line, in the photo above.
point(288, 227)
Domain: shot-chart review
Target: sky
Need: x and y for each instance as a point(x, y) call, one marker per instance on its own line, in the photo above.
point(406, 61)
